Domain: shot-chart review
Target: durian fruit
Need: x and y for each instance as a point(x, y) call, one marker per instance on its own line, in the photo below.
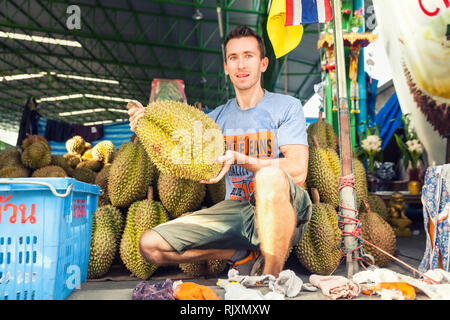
point(94, 165)
point(84, 175)
point(377, 205)
point(10, 157)
point(75, 145)
point(179, 196)
point(104, 151)
point(102, 181)
point(14, 172)
point(359, 172)
point(109, 214)
point(378, 232)
point(204, 267)
point(142, 216)
point(130, 175)
point(31, 139)
point(36, 155)
point(59, 161)
point(324, 170)
point(318, 250)
point(181, 140)
point(72, 159)
point(102, 250)
point(215, 193)
point(87, 155)
point(324, 133)
point(50, 171)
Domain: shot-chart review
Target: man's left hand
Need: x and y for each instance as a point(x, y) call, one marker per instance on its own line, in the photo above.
point(227, 159)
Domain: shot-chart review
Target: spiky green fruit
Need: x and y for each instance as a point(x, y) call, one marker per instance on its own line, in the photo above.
point(104, 151)
point(101, 179)
point(142, 216)
point(102, 250)
point(31, 139)
point(75, 145)
point(10, 157)
point(377, 205)
point(324, 170)
point(94, 165)
point(378, 232)
point(72, 159)
point(181, 140)
point(50, 171)
point(215, 193)
point(130, 175)
point(14, 172)
point(323, 133)
point(179, 196)
point(36, 156)
point(318, 249)
point(84, 175)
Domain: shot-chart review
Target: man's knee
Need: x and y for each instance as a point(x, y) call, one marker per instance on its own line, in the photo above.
point(150, 246)
point(271, 183)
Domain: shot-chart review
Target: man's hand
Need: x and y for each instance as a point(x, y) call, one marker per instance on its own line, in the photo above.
point(135, 113)
point(227, 159)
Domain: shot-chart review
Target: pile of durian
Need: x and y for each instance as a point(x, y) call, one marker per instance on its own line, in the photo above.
point(319, 250)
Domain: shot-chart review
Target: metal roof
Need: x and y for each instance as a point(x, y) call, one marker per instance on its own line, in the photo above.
point(131, 42)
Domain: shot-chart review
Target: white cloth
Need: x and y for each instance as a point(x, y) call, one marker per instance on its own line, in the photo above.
point(439, 291)
point(236, 286)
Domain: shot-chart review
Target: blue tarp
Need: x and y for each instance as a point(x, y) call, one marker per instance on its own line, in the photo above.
point(389, 118)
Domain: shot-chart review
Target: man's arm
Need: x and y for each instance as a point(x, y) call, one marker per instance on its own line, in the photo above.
point(295, 162)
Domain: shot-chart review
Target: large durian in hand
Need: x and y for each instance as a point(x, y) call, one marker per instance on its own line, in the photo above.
point(179, 196)
point(378, 232)
point(181, 140)
point(130, 175)
point(142, 216)
point(319, 250)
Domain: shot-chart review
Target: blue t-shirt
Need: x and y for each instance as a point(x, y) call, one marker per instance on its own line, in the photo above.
point(258, 132)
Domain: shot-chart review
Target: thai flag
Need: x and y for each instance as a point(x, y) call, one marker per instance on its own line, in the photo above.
point(307, 12)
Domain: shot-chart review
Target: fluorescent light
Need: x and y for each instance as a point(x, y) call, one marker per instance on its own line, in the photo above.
point(59, 98)
point(97, 122)
point(93, 96)
point(118, 110)
point(86, 95)
point(70, 76)
point(25, 37)
point(74, 113)
point(23, 76)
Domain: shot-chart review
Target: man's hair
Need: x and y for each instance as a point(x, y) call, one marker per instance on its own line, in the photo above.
point(244, 31)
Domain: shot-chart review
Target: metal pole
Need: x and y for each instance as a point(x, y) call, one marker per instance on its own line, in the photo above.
point(347, 194)
point(219, 19)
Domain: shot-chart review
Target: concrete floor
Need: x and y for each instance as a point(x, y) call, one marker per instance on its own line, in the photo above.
point(120, 285)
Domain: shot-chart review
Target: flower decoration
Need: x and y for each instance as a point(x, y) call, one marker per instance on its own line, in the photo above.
point(357, 19)
point(372, 145)
point(411, 148)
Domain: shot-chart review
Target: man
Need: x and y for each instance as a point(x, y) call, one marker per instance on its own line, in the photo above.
point(266, 210)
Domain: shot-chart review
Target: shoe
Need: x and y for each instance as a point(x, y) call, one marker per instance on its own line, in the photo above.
point(250, 265)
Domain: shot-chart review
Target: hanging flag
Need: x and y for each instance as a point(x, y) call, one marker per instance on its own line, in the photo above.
point(307, 12)
point(286, 20)
point(283, 38)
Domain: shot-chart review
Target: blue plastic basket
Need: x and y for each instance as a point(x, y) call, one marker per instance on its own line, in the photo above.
point(45, 235)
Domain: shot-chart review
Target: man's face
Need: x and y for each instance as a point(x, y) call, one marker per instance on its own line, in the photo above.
point(244, 63)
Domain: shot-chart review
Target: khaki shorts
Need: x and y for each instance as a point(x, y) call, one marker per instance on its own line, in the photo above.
point(229, 224)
